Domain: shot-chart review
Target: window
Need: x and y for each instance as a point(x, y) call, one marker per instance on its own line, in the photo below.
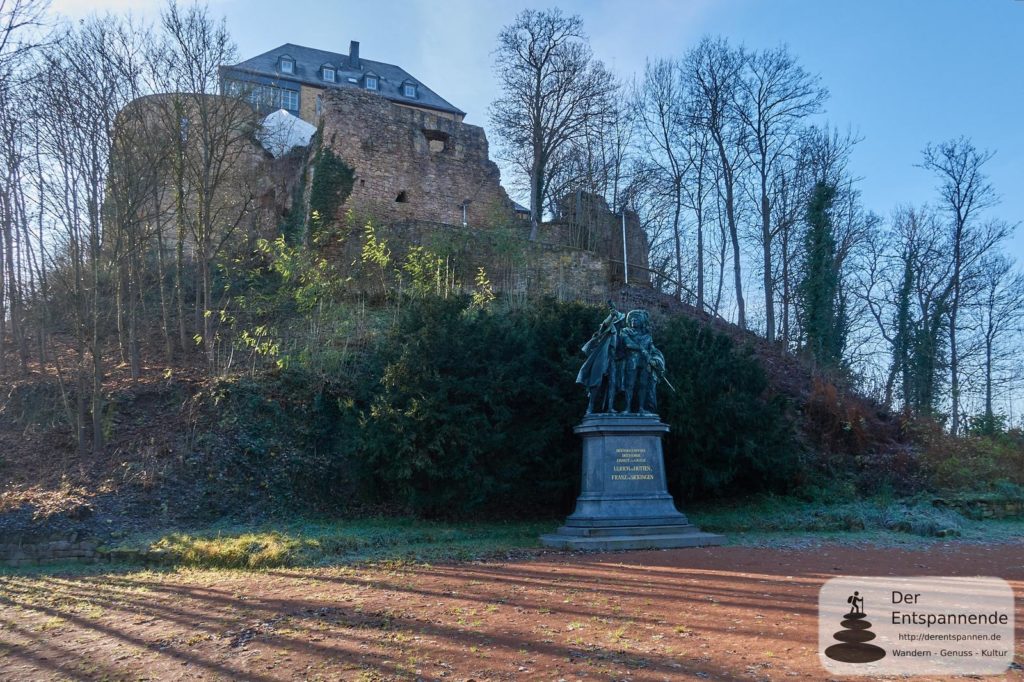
point(290, 100)
point(328, 74)
point(265, 97)
point(371, 83)
point(437, 140)
point(409, 90)
point(287, 65)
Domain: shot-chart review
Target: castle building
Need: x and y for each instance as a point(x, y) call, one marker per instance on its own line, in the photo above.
point(295, 78)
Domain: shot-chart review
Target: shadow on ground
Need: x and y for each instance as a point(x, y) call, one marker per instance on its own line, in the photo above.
point(726, 613)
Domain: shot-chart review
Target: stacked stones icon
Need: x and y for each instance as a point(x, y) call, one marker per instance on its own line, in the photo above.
point(854, 647)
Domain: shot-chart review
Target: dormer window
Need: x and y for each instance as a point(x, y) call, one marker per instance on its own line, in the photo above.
point(287, 65)
point(409, 90)
point(372, 82)
point(328, 73)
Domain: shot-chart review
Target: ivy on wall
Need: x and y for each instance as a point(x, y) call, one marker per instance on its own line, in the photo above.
point(332, 183)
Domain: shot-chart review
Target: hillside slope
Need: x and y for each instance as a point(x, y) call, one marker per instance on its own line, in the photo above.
point(183, 446)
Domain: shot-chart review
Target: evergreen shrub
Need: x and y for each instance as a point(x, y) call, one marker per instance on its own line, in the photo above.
point(729, 435)
point(466, 410)
point(475, 409)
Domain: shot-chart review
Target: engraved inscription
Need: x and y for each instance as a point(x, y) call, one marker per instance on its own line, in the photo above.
point(631, 465)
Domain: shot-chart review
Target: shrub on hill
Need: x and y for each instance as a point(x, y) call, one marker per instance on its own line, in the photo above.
point(729, 435)
point(463, 409)
point(476, 410)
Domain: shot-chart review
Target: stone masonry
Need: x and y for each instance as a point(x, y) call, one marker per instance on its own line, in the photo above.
point(411, 164)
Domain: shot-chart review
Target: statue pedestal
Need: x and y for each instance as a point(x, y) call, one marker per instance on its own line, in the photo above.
point(624, 502)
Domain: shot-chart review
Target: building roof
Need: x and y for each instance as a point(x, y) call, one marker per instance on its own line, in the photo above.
point(308, 62)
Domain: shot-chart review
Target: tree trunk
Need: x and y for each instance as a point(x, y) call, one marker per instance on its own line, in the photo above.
point(161, 268)
point(208, 341)
point(769, 281)
point(97, 353)
point(3, 317)
point(119, 287)
point(179, 295)
point(700, 255)
point(954, 355)
point(134, 294)
point(730, 214)
point(81, 403)
point(12, 285)
point(536, 187)
point(678, 240)
point(179, 260)
point(989, 412)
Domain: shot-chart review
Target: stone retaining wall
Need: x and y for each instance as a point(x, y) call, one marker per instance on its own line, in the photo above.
point(20, 551)
point(984, 508)
point(515, 266)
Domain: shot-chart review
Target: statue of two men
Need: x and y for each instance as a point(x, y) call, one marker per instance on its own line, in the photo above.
point(622, 360)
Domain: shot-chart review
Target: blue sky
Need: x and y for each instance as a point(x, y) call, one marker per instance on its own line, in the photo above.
point(901, 73)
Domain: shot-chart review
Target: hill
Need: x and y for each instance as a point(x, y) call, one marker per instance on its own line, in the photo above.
point(299, 436)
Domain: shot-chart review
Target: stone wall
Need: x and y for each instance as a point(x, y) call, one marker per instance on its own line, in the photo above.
point(307, 103)
point(514, 265)
point(414, 171)
point(584, 221)
point(411, 164)
point(984, 508)
point(18, 550)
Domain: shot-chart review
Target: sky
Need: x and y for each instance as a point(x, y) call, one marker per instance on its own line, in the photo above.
point(901, 74)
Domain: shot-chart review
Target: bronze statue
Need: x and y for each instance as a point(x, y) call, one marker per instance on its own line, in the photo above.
point(600, 372)
point(622, 359)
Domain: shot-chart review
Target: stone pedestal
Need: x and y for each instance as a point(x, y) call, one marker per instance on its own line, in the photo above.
point(624, 502)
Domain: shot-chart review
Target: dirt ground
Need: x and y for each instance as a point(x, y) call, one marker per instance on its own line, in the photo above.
point(732, 613)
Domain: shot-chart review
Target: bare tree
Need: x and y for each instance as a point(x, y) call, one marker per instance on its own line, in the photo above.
point(551, 88)
point(714, 70)
point(661, 108)
point(821, 156)
point(212, 134)
point(773, 97)
point(999, 314)
point(697, 191)
point(964, 191)
point(79, 87)
point(596, 162)
point(17, 17)
point(138, 162)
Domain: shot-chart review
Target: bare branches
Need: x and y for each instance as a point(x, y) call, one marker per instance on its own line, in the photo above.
point(17, 17)
point(552, 92)
point(964, 191)
point(773, 96)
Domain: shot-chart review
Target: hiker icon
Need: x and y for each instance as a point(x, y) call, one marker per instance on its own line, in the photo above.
point(854, 647)
point(856, 603)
